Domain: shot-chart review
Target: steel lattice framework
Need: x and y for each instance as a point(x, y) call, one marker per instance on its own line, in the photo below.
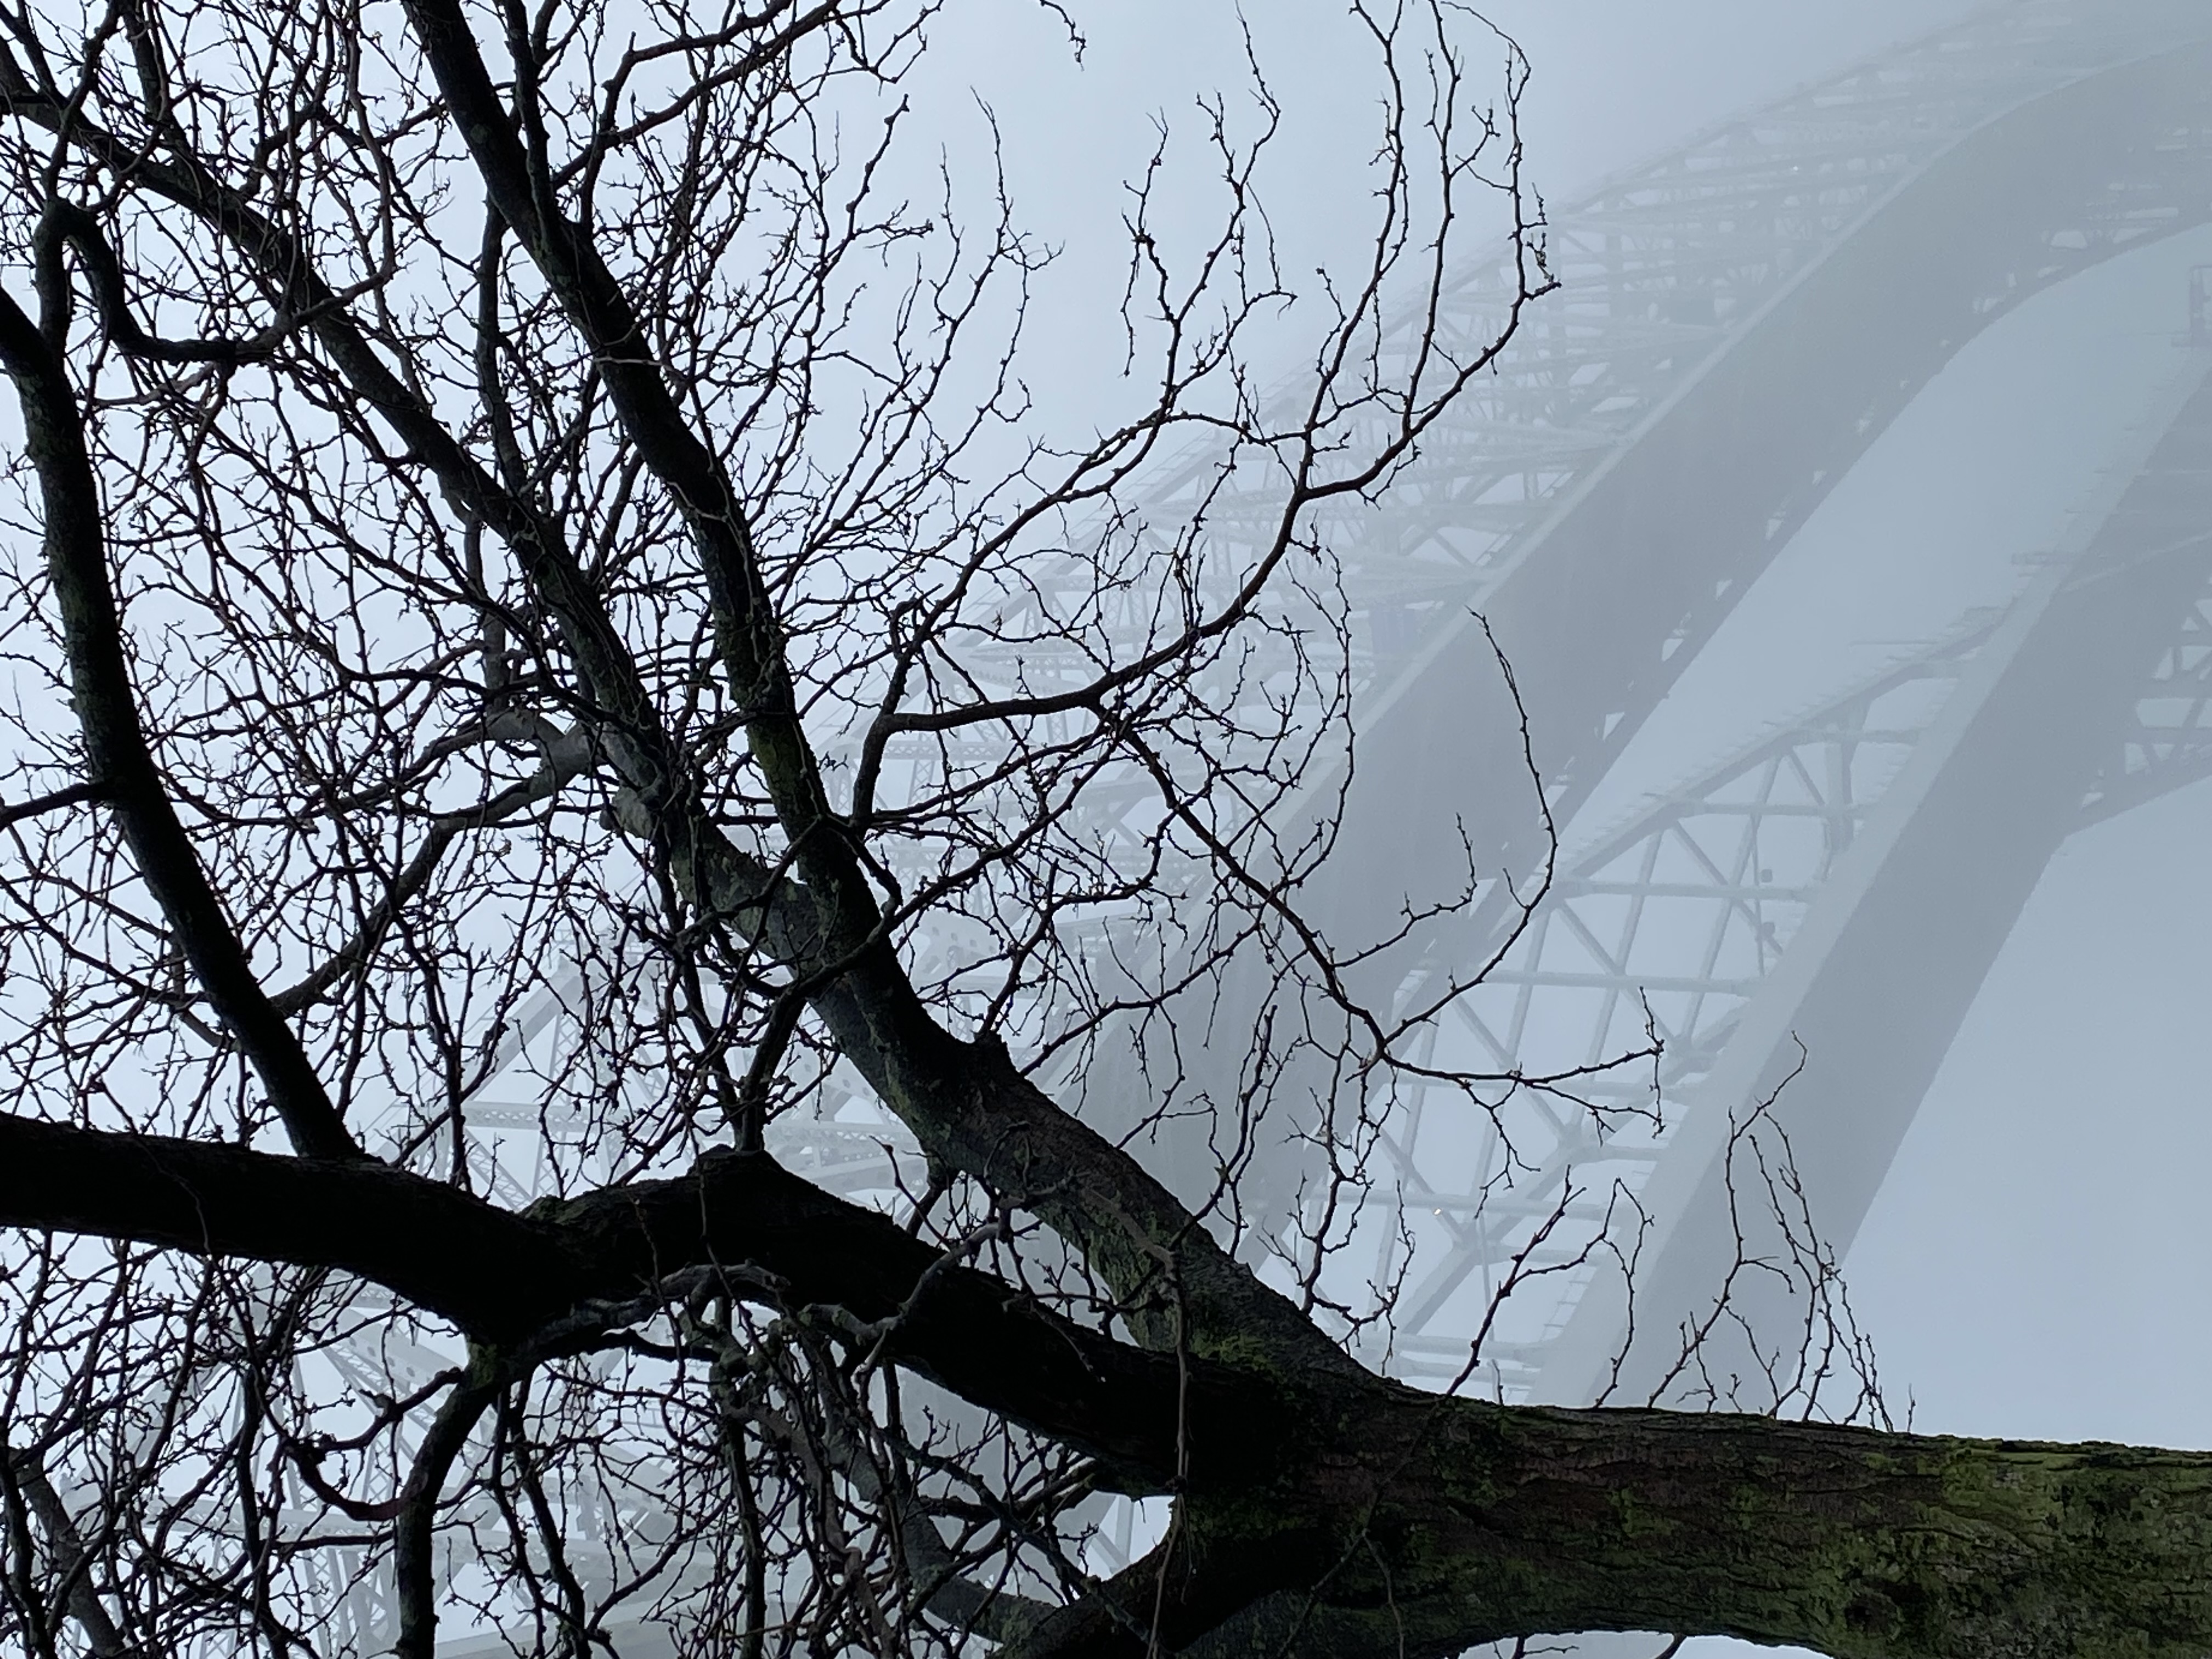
point(1736, 324)
point(1844, 881)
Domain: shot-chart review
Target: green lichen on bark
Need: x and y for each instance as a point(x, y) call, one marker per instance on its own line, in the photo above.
point(1849, 1541)
point(1427, 1526)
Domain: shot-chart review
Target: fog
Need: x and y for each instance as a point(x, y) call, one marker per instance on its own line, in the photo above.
point(2036, 1263)
point(1750, 566)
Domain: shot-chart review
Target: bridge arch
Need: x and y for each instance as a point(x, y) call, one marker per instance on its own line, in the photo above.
point(1735, 324)
point(1750, 315)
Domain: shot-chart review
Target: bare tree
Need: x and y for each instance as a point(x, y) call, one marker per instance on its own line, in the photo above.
point(566, 686)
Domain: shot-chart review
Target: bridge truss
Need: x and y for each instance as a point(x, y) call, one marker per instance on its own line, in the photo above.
point(1737, 323)
point(1842, 883)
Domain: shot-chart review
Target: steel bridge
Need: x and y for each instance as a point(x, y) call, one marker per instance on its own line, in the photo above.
point(1734, 325)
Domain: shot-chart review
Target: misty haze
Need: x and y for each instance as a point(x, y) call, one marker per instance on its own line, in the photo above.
point(858, 830)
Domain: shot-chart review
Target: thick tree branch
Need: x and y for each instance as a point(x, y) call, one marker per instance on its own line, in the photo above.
point(969, 1105)
point(116, 754)
point(80, 1595)
point(1507, 1522)
point(484, 1268)
point(506, 1277)
point(414, 1537)
point(53, 800)
point(958, 1326)
point(1425, 1526)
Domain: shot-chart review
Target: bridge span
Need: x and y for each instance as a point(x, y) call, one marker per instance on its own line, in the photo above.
point(1736, 324)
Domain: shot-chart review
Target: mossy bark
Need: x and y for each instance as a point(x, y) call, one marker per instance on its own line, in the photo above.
point(1432, 1525)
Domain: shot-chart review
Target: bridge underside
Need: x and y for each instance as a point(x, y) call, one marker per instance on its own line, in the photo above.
point(1753, 364)
point(1632, 565)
